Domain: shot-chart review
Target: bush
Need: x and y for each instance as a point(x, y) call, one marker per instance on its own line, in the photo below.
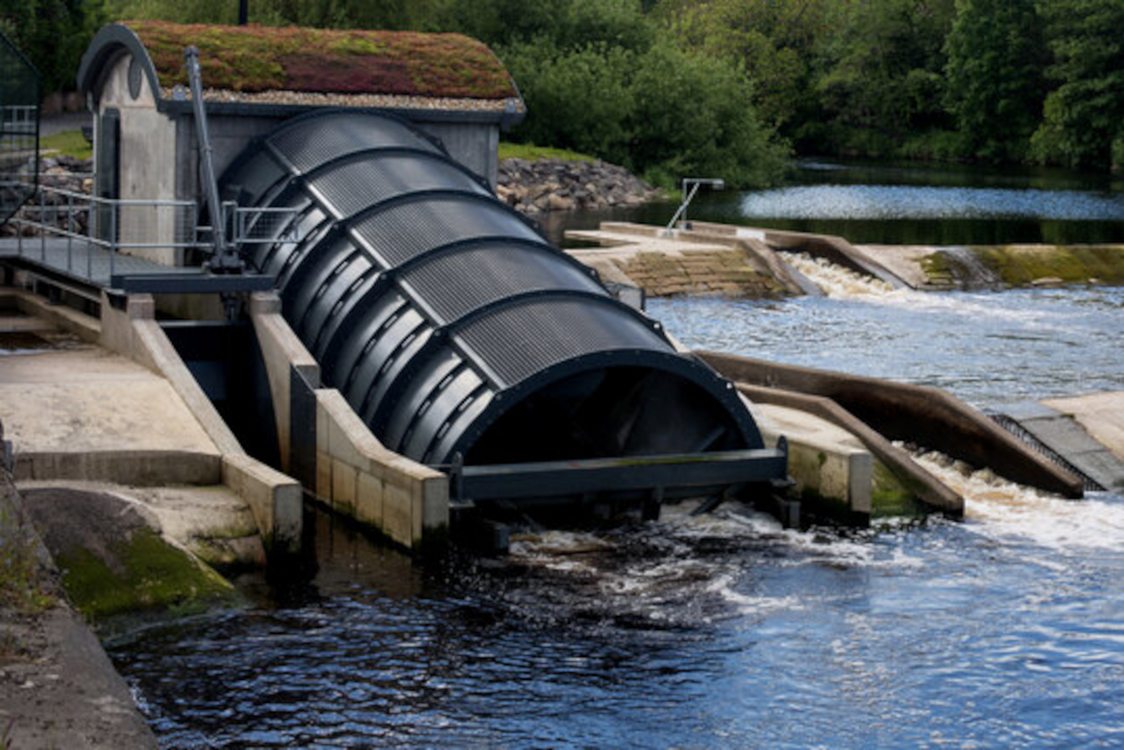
point(661, 112)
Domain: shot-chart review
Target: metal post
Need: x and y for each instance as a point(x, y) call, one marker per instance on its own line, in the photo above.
point(42, 234)
point(223, 260)
point(696, 183)
point(90, 216)
point(112, 240)
point(69, 232)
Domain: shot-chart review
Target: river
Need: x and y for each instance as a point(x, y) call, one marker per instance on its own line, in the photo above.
point(1002, 630)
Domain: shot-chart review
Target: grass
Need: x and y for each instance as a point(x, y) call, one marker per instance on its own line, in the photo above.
point(261, 58)
point(531, 152)
point(68, 143)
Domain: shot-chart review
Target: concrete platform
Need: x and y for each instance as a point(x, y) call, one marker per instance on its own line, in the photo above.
point(830, 466)
point(87, 400)
point(1101, 414)
point(682, 262)
point(1088, 431)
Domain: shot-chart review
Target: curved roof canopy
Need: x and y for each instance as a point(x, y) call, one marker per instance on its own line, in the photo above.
point(289, 66)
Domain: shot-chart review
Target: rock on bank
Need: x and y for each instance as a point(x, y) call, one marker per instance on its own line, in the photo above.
point(534, 187)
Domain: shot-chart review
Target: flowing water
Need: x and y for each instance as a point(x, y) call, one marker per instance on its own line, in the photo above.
point(1002, 630)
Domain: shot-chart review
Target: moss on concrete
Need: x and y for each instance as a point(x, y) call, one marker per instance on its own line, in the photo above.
point(23, 584)
point(1022, 265)
point(890, 497)
point(142, 573)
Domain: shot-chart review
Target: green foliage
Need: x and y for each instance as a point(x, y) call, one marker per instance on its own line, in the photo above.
point(881, 73)
point(1084, 115)
point(577, 100)
point(661, 111)
point(687, 85)
point(68, 143)
point(775, 41)
point(53, 34)
point(996, 67)
point(695, 116)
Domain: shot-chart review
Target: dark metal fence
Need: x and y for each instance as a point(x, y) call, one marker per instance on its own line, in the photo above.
point(19, 129)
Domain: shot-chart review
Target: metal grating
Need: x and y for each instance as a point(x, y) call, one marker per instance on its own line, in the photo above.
point(351, 186)
point(459, 281)
point(1012, 426)
point(526, 338)
point(425, 300)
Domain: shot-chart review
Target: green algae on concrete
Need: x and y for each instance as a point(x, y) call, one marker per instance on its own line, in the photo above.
point(1023, 265)
point(890, 497)
point(139, 574)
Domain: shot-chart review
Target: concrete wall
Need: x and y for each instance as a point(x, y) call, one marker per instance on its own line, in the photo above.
point(131, 330)
point(333, 452)
point(229, 138)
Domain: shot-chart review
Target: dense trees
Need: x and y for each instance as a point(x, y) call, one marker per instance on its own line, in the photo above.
point(726, 86)
point(996, 83)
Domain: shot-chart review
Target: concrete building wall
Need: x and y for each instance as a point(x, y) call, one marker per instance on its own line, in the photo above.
point(146, 168)
point(229, 137)
point(476, 146)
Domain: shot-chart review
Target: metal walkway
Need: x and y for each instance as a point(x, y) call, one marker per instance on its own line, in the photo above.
point(82, 261)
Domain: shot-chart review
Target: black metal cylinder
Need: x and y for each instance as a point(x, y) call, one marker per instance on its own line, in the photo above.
point(446, 320)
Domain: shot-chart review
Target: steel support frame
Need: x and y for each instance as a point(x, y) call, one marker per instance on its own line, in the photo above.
point(670, 477)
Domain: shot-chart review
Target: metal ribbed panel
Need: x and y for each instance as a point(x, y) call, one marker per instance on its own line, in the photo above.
point(523, 339)
point(492, 271)
point(400, 232)
point(337, 135)
point(373, 177)
point(447, 322)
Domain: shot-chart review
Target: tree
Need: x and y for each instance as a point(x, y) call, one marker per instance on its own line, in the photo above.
point(773, 41)
point(996, 67)
point(1084, 115)
point(883, 75)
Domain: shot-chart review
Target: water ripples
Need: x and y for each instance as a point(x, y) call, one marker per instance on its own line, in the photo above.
point(887, 202)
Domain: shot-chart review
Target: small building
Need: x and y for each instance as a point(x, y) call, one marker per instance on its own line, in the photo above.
point(145, 144)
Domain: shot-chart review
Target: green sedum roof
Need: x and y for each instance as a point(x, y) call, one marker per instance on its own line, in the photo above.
point(266, 58)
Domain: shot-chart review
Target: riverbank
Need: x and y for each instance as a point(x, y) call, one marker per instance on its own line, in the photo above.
point(543, 185)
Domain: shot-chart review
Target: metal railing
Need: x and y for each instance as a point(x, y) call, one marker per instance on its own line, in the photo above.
point(255, 226)
point(114, 225)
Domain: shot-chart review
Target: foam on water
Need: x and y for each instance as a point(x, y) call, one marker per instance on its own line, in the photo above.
point(835, 281)
point(839, 283)
point(1002, 509)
